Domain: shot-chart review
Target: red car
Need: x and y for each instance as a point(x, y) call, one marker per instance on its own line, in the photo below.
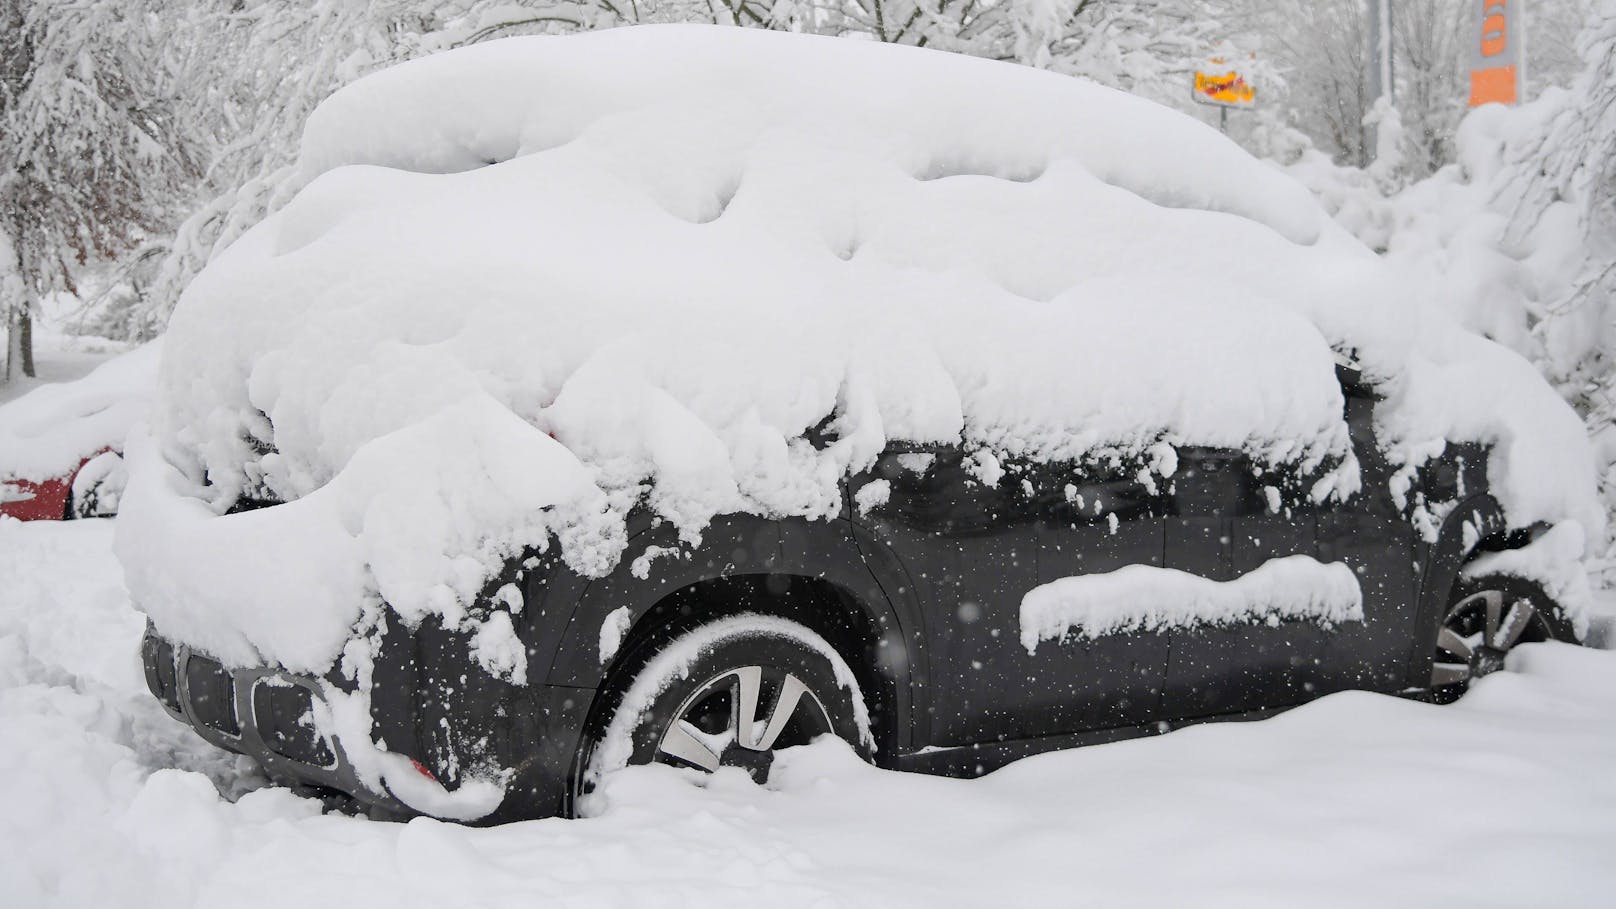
point(60, 444)
point(54, 498)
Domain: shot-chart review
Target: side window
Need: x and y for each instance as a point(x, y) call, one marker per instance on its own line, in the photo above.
point(945, 489)
point(1076, 495)
point(1216, 482)
point(1211, 482)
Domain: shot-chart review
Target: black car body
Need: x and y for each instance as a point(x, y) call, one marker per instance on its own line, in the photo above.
point(920, 598)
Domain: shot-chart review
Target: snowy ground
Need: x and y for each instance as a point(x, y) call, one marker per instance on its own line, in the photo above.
point(1507, 799)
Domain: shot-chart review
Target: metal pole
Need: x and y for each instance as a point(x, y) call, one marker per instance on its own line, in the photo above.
point(1380, 76)
point(1519, 31)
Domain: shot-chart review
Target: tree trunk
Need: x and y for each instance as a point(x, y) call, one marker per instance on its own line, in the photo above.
point(20, 345)
point(25, 332)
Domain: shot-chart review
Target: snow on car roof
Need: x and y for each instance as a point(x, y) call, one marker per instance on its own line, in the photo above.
point(535, 281)
point(684, 110)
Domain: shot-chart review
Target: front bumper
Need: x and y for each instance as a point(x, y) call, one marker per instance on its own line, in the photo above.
point(266, 714)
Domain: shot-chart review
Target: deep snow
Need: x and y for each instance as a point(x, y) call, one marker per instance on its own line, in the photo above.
point(1506, 799)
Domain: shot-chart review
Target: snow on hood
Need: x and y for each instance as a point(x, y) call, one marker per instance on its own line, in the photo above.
point(676, 249)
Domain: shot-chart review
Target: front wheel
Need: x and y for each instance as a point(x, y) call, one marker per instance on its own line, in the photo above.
point(1487, 617)
point(732, 693)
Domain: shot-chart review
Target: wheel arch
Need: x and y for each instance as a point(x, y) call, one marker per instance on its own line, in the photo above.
point(816, 578)
point(68, 505)
point(1475, 526)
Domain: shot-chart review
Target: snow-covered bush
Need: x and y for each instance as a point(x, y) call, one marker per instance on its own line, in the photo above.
point(1517, 239)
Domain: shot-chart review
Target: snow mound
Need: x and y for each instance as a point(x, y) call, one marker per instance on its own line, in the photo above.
point(533, 282)
point(48, 431)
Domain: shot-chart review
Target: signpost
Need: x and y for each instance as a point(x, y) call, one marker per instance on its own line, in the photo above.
point(1497, 63)
point(1219, 84)
point(1382, 81)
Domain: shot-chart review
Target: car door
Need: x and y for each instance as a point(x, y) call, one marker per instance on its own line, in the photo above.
point(969, 545)
point(977, 543)
point(1371, 536)
point(1092, 522)
point(1223, 526)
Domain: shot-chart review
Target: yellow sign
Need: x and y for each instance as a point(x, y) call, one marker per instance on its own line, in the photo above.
point(1224, 87)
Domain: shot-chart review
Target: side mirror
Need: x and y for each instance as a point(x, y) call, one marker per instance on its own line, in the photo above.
point(1349, 372)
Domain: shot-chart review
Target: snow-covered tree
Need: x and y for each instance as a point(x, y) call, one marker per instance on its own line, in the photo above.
point(1552, 31)
point(1517, 238)
point(268, 64)
point(1564, 190)
point(1320, 47)
point(91, 153)
point(1432, 63)
point(1574, 159)
point(1430, 38)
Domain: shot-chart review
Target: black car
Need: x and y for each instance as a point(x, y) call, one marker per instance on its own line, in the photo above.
point(896, 626)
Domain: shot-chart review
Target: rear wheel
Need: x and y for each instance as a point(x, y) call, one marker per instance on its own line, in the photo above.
point(732, 693)
point(1487, 617)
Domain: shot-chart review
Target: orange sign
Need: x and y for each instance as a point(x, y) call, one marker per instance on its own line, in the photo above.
point(1495, 53)
point(1219, 85)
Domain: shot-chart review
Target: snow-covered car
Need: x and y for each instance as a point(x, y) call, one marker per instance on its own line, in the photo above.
point(61, 444)
point(682, 394)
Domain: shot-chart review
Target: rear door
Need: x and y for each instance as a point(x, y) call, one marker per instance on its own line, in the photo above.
point(1224, 526)
point(976, 542)
point(1369, 534)
point(969, 545)
point(1093, 522)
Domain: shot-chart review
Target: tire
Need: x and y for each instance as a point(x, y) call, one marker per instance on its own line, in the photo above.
point(96, 488)
point(1485, 618)
point(686, 706)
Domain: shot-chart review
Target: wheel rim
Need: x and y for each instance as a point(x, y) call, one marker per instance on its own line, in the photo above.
point(719, 724)
point(1478, 632)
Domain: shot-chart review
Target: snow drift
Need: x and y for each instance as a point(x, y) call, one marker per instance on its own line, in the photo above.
point(535, 282)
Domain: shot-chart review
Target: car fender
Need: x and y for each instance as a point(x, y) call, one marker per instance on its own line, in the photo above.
point(735, 545)
point(1473, 520)
point(731, 545)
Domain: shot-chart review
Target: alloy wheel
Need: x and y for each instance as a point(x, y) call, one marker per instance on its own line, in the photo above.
point(719, 725)
point(1476, 635)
